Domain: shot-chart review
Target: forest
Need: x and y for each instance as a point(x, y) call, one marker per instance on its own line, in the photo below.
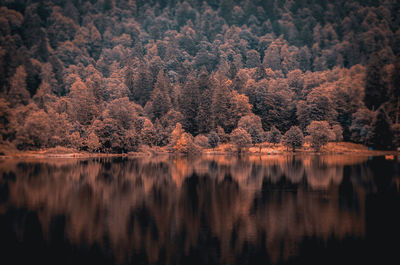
point(113, 76)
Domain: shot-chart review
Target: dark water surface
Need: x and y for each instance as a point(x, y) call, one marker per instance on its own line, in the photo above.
point(208, 210)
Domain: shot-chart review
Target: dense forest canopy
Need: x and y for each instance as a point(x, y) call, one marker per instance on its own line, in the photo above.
point(111, 75)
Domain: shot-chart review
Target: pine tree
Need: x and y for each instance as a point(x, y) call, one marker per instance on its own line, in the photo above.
point(129, 80)
point(189, 103)
point(375, 90)
point(395, 90)
point(160, 102)
point(380, 136)
point(221, 102)
point(84, 102)
point(18, 93)
point(143, 84)
point(203, 117)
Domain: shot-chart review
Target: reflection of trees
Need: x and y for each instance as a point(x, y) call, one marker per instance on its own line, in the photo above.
point(170, 209)
point(320, 175)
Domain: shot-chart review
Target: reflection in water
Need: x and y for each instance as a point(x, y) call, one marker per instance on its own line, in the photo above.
point(175, 210)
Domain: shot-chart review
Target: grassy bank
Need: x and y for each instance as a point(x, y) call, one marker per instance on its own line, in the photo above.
point(223, 149)
point(271, 149)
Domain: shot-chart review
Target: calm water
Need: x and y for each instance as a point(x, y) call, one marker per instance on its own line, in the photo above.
point(209, 210)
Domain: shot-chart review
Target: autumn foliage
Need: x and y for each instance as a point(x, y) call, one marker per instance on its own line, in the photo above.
point(112, 76)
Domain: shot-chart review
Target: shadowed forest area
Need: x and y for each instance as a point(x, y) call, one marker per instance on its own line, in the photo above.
point(117, 75)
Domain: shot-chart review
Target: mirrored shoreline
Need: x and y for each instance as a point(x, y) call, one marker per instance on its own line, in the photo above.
point(205, 210)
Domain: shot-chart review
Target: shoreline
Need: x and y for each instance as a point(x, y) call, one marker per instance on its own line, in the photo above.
point(83, 155)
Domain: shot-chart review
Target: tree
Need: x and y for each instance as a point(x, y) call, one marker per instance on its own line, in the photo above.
point(95, 45)
point(375, 90)
point(202, 141)
point(176, 134)
point(293, 138)
point(223, 137)
point(131, 141)
point(161, 135)
point(160, 102)
point(147, 133)
point(271, 100)
point(185, 144)
point(61, 29)
point(114, 137)
point(124, 112)
point(93, 142)
point(252, 124)
point(241, 138)
point(272, 57)
point(75, 140)
point(114, 87)
point(213, 139)
point(118, 129)
point(204, 119)
point(226, 9)
point(142, 84)
point(337, 132)
point(319, 133)
point(60, 128)
point(361, 125)
point(83, 102)
point(6, 119)
point(221, 102)
point(252, 59)
point(317, 107)
point(18, 93)
point(35, 132)
point(396, 135)
point(239, 107)
point(274, 135)
point(395, 90)
point(380, 136)
point(189, 103)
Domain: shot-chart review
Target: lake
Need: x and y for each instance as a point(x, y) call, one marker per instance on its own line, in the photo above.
point(305, 209)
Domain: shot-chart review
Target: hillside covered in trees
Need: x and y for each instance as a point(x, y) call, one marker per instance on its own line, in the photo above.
point(112, 75)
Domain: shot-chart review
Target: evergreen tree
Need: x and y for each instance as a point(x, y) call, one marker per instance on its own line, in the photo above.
point(160, 102)
point(189, 103)
point(380, 136)
point(395, 90)
point(18, 93)
point(204, 115)
point(221, 102)
point(375, 90)
point(84, 103)
point(142, 84)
